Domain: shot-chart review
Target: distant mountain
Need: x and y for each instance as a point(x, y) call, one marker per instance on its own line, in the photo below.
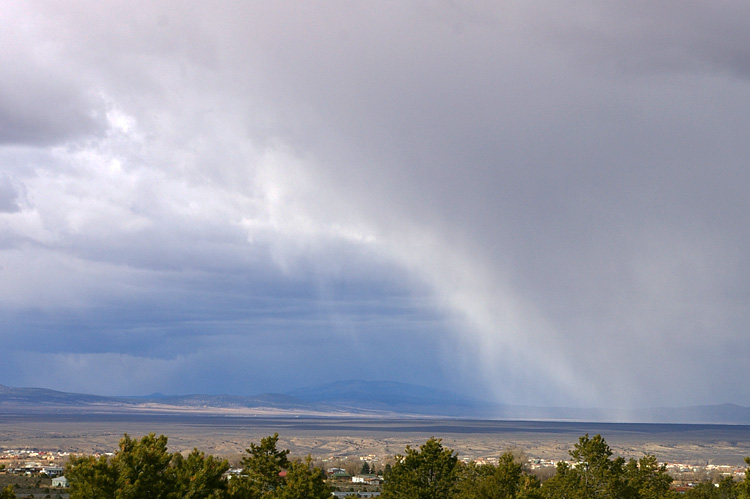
point(723, 413)
point(391, 396)
point(356, 397)
point(42, 398)
point(265, 400)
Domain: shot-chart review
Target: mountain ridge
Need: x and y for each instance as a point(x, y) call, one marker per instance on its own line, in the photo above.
point(361, 398)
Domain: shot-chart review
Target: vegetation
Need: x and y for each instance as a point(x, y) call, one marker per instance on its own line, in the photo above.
point(506, 480)
point(263, 477)
point(427, 473)
point(592, 473)
point(144, 469)
point(22, 486)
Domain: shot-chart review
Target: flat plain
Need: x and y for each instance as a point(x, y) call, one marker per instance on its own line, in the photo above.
point(325, 437)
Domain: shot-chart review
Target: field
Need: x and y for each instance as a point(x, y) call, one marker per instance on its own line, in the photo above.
point(228, 436)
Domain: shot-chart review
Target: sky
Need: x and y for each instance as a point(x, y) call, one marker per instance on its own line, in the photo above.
point(519, 201)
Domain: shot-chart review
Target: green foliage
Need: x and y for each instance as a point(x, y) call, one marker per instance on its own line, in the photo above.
point(198, 476)
point(506, 480)
point(262, 479)
point(261, 470)
point(564, 485)
point(702, 491)
point(594, 474)
point(427, 473)
point(144, 469)
point(304, 481)
point(511, 480)
point(599, 476)
point(647, 479)
point(365, 469)
point(743, 488)
point(90, 477)
point(7, 493)
point(726, 489)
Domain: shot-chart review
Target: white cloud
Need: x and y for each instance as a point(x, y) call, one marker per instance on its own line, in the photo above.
point(565, 185)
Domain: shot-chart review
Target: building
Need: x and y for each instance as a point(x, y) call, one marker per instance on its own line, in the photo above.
point(368, 479)
point(52, 471)
point(60, 481)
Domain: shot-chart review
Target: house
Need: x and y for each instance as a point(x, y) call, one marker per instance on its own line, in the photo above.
point(52, 471)
point(60, 481)
point(369, 479)
point(358, 494)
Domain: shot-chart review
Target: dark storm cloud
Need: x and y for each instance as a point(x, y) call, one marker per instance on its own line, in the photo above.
point(606, 199)
point(668, 37)
point(562, 189)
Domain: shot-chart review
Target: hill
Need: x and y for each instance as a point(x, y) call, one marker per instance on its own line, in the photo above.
point(356, 398)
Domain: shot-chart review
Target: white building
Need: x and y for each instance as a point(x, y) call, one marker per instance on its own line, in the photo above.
point(60, 481)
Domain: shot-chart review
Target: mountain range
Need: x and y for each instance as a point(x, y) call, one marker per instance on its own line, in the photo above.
point(356, 398)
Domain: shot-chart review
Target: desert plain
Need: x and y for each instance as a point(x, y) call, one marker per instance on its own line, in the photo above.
point(229, 434)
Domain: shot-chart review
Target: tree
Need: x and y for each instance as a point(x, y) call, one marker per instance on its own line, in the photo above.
point(427, 473)
point(506, 480)
point(593, 476)
point(474, 481)
point(264, 464)
point(262, 467)
point(198, 476)
point(565, 484)
point(262, 476)
point(143, 468)
point(8, 493)
point(304, 481)
point(646, 479)
point(725, 489)
point(365, 470)
point(90, 478)
point(743, 488)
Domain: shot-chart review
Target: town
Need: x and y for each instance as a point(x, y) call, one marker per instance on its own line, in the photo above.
point(361, 475)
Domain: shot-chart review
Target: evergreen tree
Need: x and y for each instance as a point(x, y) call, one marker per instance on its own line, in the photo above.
point(743, 488)
point(427, 473)
point(646, 479)
point(264, 464)
point(139, 470)
point(91, 478)
point(198, 476)
point(594, 476)
point(143, 468)
point(304, 481)
point(725, 489)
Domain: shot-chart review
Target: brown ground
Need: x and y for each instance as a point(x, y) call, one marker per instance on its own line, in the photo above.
point(341, 437)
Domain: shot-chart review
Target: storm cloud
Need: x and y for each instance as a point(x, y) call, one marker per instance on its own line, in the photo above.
point(530, 203)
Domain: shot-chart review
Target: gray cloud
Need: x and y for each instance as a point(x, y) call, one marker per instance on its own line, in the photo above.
point(9, 195)
point(44, 99)
point(563, 188)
